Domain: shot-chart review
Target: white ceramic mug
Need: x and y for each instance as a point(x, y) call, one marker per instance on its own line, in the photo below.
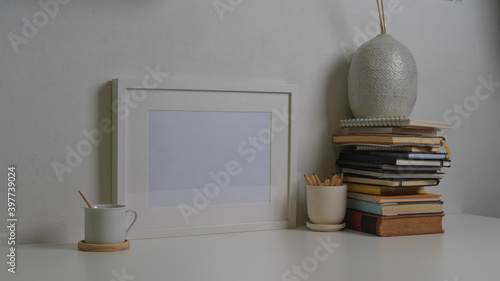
point(326, 204)
point(106, 223)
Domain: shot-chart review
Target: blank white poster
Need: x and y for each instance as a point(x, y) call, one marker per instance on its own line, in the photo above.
point(208, 158)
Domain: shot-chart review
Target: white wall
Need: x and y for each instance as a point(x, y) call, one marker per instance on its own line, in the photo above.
point(57, 85)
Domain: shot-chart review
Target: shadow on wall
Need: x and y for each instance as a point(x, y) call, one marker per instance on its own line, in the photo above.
point(335, 103)
point(104, 158)
point(336, 100)
point(336, 107)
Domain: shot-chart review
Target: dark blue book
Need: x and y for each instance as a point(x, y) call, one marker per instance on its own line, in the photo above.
point(353, 156)
point(401, 174)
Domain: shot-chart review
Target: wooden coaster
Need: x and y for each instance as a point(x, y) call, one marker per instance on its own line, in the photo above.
point(82, 246)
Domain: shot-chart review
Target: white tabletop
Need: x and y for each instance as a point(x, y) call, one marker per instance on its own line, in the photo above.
point(469, 250)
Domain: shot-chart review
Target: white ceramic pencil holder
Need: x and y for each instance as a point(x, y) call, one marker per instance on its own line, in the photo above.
point(326, 204)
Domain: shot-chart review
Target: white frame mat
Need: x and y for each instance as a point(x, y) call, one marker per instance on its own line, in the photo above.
point(214, 194)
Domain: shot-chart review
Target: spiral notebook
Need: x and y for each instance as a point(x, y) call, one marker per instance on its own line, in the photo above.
point(392, 122)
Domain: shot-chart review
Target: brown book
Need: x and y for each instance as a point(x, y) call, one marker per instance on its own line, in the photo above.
point(394, 225)
point(387, 139)
point(384, 190)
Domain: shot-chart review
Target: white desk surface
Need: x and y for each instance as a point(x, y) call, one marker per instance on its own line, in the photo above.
point(469, 250)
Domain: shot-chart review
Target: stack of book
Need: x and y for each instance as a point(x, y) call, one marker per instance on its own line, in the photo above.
point(391, 162)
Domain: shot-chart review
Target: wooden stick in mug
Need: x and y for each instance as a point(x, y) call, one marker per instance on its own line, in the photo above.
point(88, 204)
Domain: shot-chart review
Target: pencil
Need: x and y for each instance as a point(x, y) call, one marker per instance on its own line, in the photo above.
point(308, 180)
point(313, 178)
point(334, 179)
point(318, 181)
point(339, 181)
point(327, 182)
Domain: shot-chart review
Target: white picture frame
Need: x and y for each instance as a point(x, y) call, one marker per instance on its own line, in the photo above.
point(140, 111)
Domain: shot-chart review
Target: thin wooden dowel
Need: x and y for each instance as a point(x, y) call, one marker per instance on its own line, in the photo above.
point(383, 16)
point(88, 204)
point(380, 19)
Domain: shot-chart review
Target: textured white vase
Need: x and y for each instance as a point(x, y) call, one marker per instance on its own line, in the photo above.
point(382, 79)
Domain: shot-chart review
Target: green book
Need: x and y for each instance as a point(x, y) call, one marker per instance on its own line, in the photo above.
point(394, 209)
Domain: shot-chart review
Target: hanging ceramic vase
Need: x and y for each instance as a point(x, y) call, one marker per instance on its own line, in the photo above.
point(382, 79)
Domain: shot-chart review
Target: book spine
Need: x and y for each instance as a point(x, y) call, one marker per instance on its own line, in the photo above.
point(364, 206)
point(384, 191)
point(356, 157)
point(361, 196)
point(363, 222)
point(372, 122)
point(358, 164)
point(381, 148)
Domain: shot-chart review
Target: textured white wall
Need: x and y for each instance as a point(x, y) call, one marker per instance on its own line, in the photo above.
point(57, 84)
